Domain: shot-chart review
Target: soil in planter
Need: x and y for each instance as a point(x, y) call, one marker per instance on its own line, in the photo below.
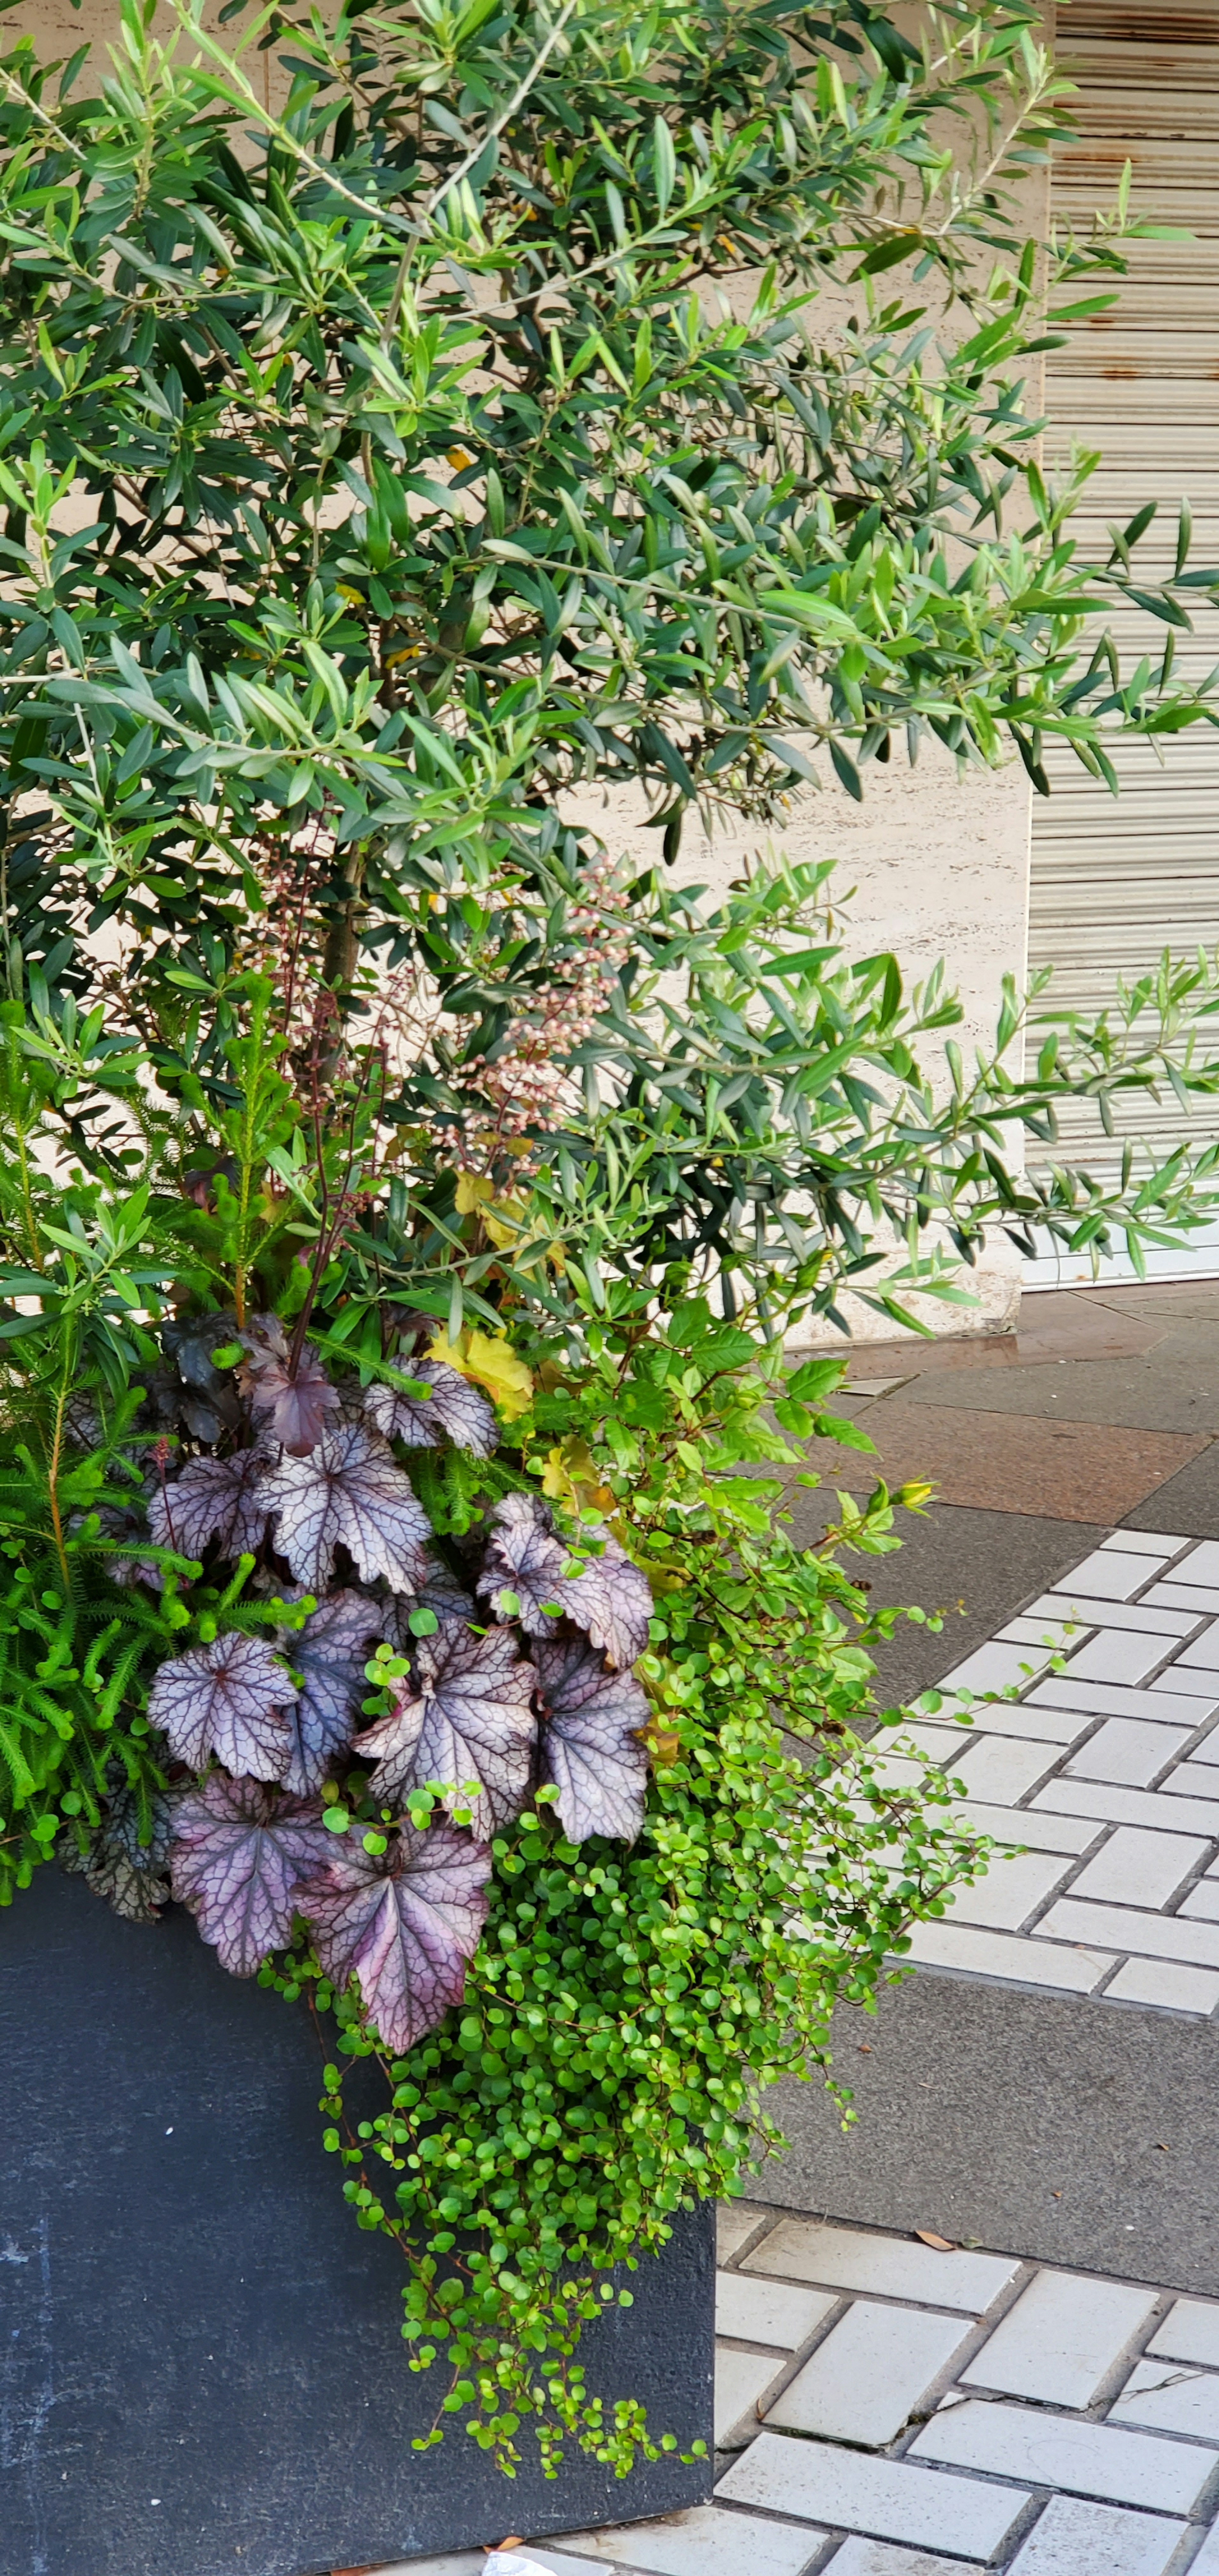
point(203, 2364)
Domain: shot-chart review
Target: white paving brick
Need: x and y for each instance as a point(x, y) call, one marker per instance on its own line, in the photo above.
point(1190, 1682)
point(1201, 1565)
point(1128, 1751)
point(735, 2221)
point(1190, 2332)
point(1150, 1936)
point(1139, 1868)
point(703, 2540)
point(1060, 1630)
point(1129, 1806)
point(742, 2380)
point(1207, 2561)
point(1030, 1825)
point(1037, 1725)
point(974, 1953)
point(1105, 1699)
point(887, 2267)
point(1011, 1890)
point(1170, 2397)
point(1164, 1982)
point(1172, 1595)
point(879, 2558)
point(754, 2310)
point(1190, 1780)
point(1145, 1543)
point(1109, 1574)
point(1061, 2339)
point(1058, 2451)
point(1207, 1752)
point(1076, 2539)
point(1003, 1770)
point(1144, 1615)
point(996, 1668)
point(1203, 1901)
point(1117, 1655)
point(942, 1745)
point(886, 2499)
point(867, 2378)
point(1202, 1650)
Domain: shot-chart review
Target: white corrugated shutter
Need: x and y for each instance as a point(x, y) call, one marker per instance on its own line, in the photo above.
point(1113, 882)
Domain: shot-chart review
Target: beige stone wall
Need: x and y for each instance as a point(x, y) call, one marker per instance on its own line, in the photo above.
point(933, 866)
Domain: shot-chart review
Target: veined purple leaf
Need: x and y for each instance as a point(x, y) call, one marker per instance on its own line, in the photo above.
point(589, 1744)
point(240, 1852)
point(454, 1409)
point(295, 1409)
point(352, 1490)
point(329, 1653)
point(213, 1498)
point(229, 1699)
point(404, 1922)
point(439, 1592)
point(132, 1876)
point(608, 1598)
point(468, 1720)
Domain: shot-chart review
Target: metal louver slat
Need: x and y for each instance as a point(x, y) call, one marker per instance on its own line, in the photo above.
point(1116, 881)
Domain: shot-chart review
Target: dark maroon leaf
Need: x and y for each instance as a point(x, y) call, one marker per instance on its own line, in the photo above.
point(454, 1410)
point(213, 1498)
point(590, 1748)
point(132, 1876)
point(608, 1597)
point(295, 1405)
point(240, 1852)
point(229, 1699)
point(468, 1719)
point(330, 1653)
point(404, 1922)
point(352, 1490)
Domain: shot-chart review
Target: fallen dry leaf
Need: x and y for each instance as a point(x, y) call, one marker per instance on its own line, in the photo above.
point(939, 2244)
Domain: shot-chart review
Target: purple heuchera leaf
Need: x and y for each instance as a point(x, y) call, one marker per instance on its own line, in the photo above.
point(608, 1598)
point(404, 1922)
point(329, 1653)
point(590, 1748)
point(351, 1490)
point(294, 1409)
point(438, 1591)
point(227, 1698)
point(468, 1719)
point(129, 1874)
point(213, 1498)
point(454, 1409)
point(240, 1852)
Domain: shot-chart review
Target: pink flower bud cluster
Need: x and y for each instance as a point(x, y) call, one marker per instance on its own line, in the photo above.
point(529, 1079)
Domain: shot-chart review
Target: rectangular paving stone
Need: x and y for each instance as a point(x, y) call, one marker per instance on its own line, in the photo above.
point(1011, 1890)
point(735, 2222)
point(1002, 1769)
point(1123, 1655)
point(703, 2540)
point(1190, 2332)
point(885, 2499)
point(879, 2558)
point(1201, 1565)
point(1016, 1957)
point(1140, 1868)
point(995, 1668)
point(1109, 1574)
point(1061, 2339)
point(1203, 1901)
point(754, 2310)
point(1130, 1542)
point(1029, 1825)
point(1141, 1616)
point(1165, 1983)
point(865, 2381)
point(1128, 1751)
point(887, 2267)
point(1106, 1699)
point(1119, 1927)
point(1018, 1717)
point(1076, 2539)
point(1129, 1806)
point(1059, 1634)
point(1192, 1682)
point(1170, 2397)
point(742, 2380)
point(1059, 2451)
point(1173, 1595)
point(1203, 1650)
point(1207, 2561)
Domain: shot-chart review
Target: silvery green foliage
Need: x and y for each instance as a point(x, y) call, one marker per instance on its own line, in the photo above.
point(240, 1852)
point(404, 1922)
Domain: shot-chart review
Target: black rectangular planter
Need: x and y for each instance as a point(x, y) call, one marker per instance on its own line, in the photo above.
point(202, 2369)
